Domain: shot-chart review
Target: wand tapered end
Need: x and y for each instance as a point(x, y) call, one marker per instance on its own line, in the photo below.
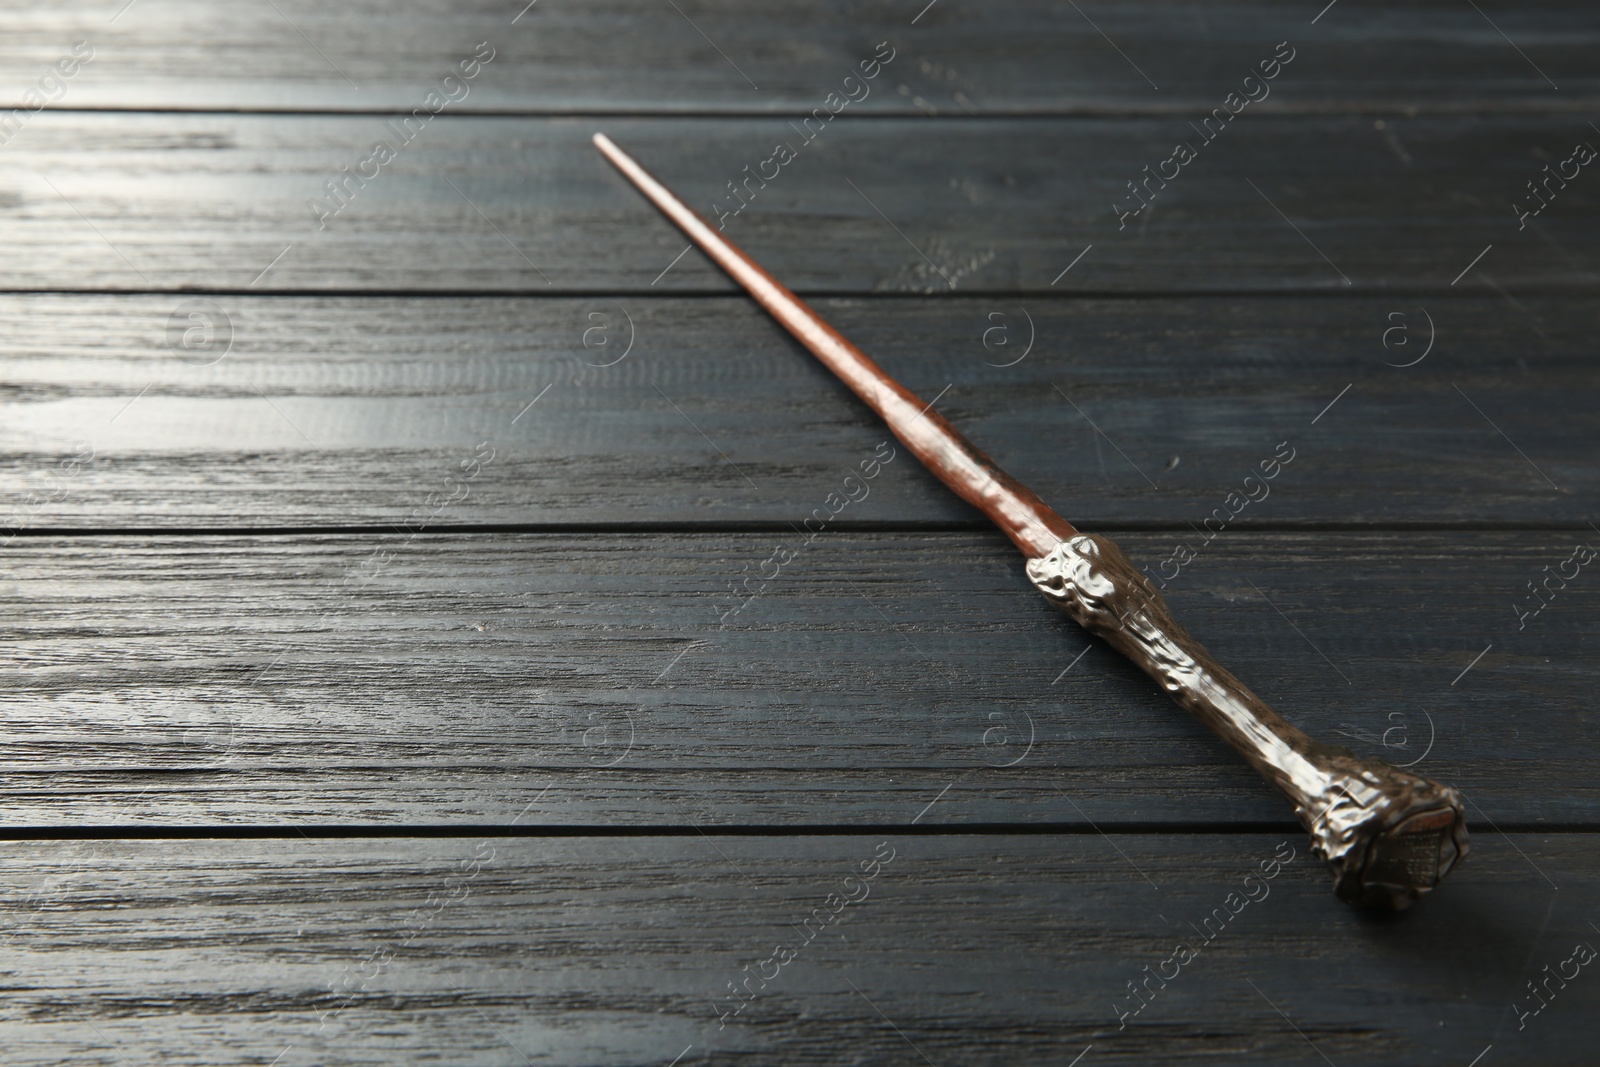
point(608, 148)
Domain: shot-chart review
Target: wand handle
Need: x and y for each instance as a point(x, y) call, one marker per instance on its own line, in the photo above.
point(1388, 835)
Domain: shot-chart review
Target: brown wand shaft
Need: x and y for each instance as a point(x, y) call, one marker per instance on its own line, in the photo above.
point(940, 447)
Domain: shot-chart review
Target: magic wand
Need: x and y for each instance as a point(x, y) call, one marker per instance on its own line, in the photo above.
point(1388, 835)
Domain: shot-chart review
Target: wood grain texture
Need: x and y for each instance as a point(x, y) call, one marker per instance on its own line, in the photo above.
point(958, 949)
point(604, 679)
point(349, 411)
point(1013, 56)
point(525, 630)
point(224, 202)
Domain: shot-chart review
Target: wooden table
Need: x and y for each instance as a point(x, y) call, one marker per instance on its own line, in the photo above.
point(416, 650)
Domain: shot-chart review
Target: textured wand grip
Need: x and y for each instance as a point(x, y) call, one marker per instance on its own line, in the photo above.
point(1388, 836)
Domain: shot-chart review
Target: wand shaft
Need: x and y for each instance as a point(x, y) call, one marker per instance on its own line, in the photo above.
point(954, 460)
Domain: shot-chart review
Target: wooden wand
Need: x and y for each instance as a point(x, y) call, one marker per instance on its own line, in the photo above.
point(1389, 836)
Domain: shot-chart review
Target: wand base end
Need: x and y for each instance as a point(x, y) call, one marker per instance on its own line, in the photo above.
point(1402, 863)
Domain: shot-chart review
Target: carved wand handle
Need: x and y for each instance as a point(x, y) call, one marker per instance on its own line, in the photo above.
point(1389, 836)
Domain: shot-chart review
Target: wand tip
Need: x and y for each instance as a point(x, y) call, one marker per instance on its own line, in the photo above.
point(609, 149)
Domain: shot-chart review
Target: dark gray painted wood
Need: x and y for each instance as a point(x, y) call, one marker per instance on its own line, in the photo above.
point(602, 679)
point(960, 949)
point(885, 678)
point(1019, 55)
point(213, 201)
point(352, 411)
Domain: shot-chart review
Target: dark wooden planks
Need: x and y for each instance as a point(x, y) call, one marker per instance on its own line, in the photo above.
point(959, 949)
point(603, 679)
point(1030, 56)
point(346, 411)
point(211, 681)
point(96, 201)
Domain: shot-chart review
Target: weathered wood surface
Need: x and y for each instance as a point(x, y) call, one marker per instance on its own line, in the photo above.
point(168, 202)
point(668, 789)
point(952, 58)
point(349, 411)
point(604, 679)
point(994, 950)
